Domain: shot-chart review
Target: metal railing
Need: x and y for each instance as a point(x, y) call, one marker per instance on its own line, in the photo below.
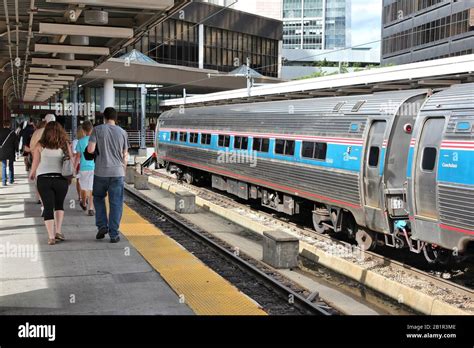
point(134, 138)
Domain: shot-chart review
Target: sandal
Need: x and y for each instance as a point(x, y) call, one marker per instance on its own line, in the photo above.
point(60, 236)
point(83, 206)
point(51, 241)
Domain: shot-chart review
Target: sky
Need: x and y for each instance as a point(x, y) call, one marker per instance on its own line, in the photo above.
point(366, 21)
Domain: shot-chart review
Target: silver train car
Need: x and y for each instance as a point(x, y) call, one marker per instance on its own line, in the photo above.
point(352, 161)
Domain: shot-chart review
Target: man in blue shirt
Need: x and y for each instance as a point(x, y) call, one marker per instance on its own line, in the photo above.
point(86, 170)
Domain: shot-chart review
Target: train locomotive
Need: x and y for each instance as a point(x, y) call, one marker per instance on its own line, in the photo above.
point(392, 168)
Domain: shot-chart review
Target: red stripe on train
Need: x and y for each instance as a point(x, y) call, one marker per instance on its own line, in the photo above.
point(456, 229)
point(263, 182)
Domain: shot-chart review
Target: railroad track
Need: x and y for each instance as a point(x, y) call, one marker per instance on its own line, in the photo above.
point(454, 285)
point(276, 294)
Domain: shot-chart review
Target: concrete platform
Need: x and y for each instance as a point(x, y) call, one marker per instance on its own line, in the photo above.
point(78, 276)
point(248, 242)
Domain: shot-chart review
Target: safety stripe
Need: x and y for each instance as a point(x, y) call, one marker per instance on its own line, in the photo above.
point(260, 181)
point(206, 292)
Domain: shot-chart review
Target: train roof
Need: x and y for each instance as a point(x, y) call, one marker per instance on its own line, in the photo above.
point(456, 98)
point(369, 104)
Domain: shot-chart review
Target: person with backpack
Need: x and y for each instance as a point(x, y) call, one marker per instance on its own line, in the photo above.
point(8, 145)
point(25, 135)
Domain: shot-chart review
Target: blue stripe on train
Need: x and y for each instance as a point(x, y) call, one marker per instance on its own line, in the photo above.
point(455, 166)
point(345, 157)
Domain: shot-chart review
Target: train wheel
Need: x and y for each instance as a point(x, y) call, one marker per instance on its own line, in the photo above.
point(366, 240)
point(436, 255)
point(321, 215)
point(321, 228)
point(188, 177)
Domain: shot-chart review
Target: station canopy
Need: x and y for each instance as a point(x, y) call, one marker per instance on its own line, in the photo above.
point(432, 74)
point(49, 44)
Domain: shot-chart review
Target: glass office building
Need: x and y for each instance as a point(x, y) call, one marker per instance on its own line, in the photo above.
point(316, 24)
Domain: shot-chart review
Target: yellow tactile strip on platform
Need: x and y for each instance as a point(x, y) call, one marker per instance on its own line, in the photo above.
point(206, 292)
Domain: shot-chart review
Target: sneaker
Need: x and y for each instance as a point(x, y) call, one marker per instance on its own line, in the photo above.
point(42, 211)
point(101, 233)
point(4, 184)
point(91, 212)
point(115, 240)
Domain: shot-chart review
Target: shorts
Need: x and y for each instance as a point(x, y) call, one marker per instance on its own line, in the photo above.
point(86, 179)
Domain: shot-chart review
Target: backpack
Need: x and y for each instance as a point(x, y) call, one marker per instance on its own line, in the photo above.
point(5, 141)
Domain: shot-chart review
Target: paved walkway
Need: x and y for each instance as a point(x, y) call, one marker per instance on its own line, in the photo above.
point(78, 276)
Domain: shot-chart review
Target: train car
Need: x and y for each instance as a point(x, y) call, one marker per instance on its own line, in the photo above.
point(344, 158)
point(441, 174)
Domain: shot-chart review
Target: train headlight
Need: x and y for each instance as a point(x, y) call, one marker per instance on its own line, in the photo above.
point(408, 128)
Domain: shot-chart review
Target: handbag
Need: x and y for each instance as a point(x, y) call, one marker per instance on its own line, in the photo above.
point(67, 170)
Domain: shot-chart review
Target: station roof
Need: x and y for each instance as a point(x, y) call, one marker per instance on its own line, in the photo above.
point(429, 74)
point(58, 41)
point(173, 77)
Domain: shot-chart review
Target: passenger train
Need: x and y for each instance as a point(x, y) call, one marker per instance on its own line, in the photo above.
point(392, 168)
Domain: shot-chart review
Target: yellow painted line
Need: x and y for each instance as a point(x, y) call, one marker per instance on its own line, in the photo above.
point(206, 292)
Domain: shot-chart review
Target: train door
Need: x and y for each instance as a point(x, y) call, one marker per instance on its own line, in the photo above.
point(373, 185)
point(426, 165)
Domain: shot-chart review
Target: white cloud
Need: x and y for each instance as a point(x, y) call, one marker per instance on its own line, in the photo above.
point(366, 21)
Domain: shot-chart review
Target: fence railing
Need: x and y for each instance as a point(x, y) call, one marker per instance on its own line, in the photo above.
point(134, 138)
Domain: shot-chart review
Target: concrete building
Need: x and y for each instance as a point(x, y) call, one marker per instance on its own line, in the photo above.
point(314, 31)
point(414, 31)
point(317, 39)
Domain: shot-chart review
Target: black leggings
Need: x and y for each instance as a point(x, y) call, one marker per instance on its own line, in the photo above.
point(53, 190)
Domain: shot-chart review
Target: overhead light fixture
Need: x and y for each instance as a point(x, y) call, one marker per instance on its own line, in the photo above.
point(135, 4)
point(47, 48)
point(56, 71)
point(46, 83)
point(46, 77)
point(58, 62)
point(85, 30)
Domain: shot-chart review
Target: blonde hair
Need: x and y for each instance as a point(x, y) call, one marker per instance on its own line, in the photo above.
point(80, 133)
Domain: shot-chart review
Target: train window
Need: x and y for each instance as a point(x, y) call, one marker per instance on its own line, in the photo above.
point(320, 151)
point(241, 143)
point(429, 158)
point(308, 149)
point(224, 140)
point(183, 137)
point(314, 150)
point(205, 138)
point(174, 136)
point(285, 147)
point(261, 144)
point(374, 155)
point(193, 138)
